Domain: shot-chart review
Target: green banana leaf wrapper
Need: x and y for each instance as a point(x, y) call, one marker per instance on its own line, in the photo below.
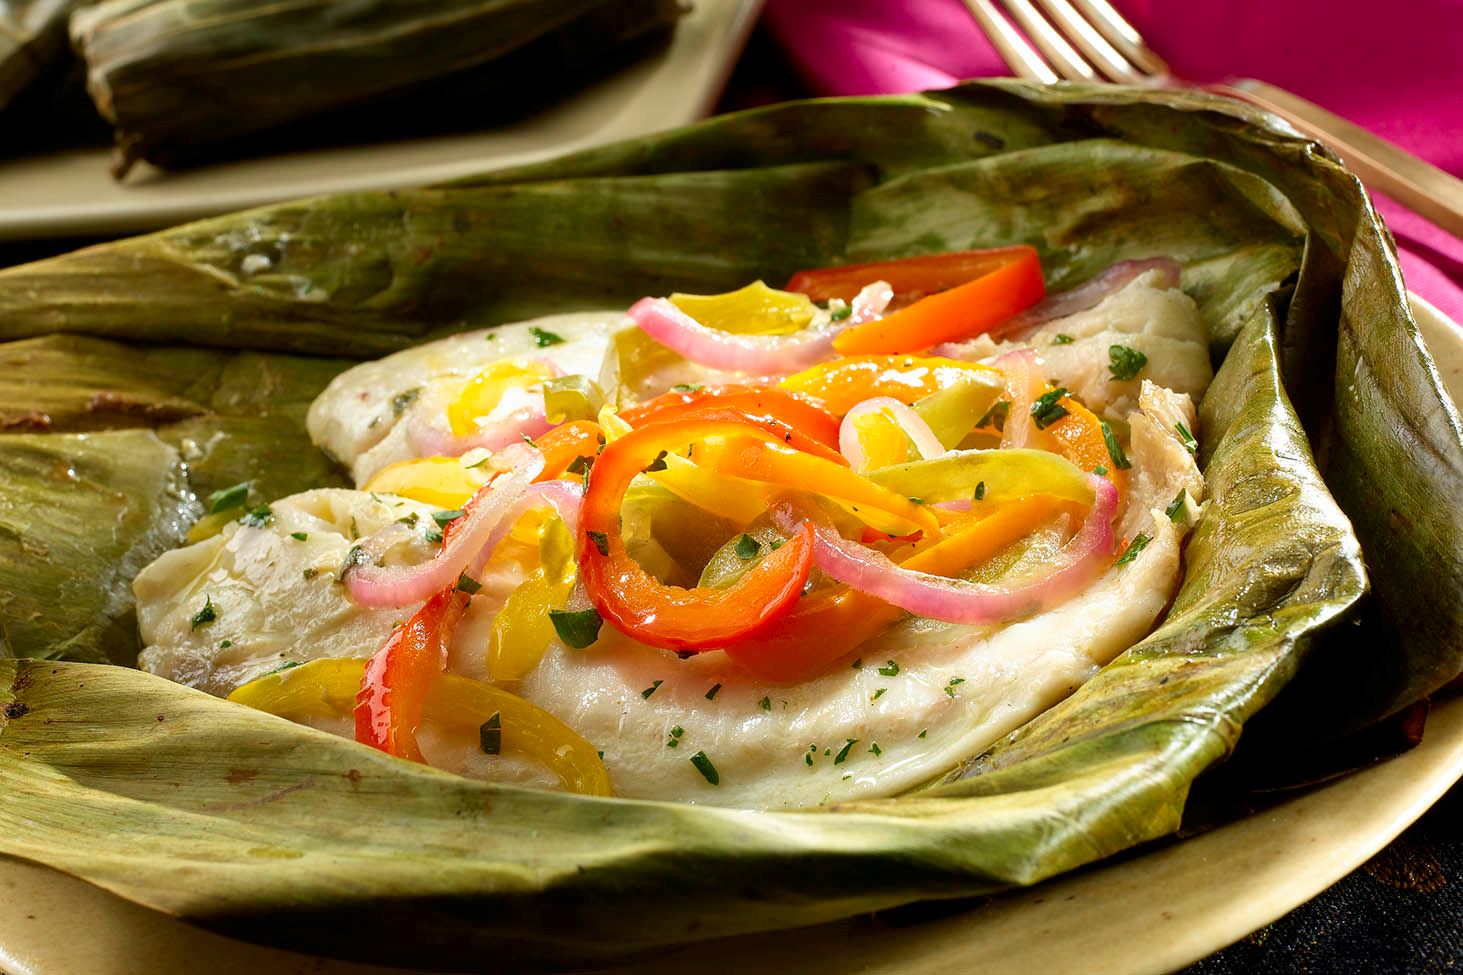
point(184, 81)
point(158, 368)
point(32, 42)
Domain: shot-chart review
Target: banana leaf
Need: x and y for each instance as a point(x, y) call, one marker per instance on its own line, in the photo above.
point(278, 833)
point(185, 79)
point(32, 41)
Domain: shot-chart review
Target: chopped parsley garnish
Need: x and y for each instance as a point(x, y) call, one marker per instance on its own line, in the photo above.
point(228, 643)
point(1175, 510)
point(686, 387)
point(808, 755)
point(1190, 444)
point(527, 439)
point(490, 734)
point(477, 463)
point(878, 693)
point(658, 464)
point(206, 614)
point(1100, 471)
point(916, 500)
point(840, 313)
point(923, 733)
point(299, 536)
point(704, 766)
point(980, 491)
point(402, 400)
point(1046, 410)
point(287, 665)
point(409, 521)
point(1062, 339)
point(1140, 541)
point(875, 749)
point(996, 416)
point(581, 466)
point(432, 536)
point(577, 630)
point(891, 669)
point(258, 517)
point(443, 518)
point(1114, 449)
point(356, 556)
point(765, 704)
point(654, 686)
point(954, 683)
point(229, 497)
point(675, 739)
point(310, 573)
point(544, 338)
point(858, 664)
point(711, 694)
point(1125, 363)
point(467, 584)
point(843, 752)
point(747, 547)
point(601, 541)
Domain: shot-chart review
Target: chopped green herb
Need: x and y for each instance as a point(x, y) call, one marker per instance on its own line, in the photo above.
point(891, 669)
point(228, 643)
point(1046, 410)
point(878, 693)
point(980, 491)
point(840, 313)
point(299, 536)
point(409, 521)
point(765, 704)
point(747, 547)
point(1190, 444)
point(1175, 510)
point(777, 543)
point(353, 558)
point(858, 664)
point(875, 749)
point(402, 400)
point(443, 518)
point(310, 573)
point(1114, 449)
point(258, 517)
point(711, 694)
point(432, 536)
point(675, 739)
point(581, 466)
point(1062, 339)
point(467, 584)
point(923, 733)
point(1140, 541)
point(544, 338)
point(686, 387)
point(490, 734)
point(230, 497)
point(577, 630)
point(527, 439)
point(477, 463)
point(654, 686)
point(677, 731)
point(1125, 363)
point(917, 500)
point(1100, 471)
point(601, 541)
point(287, 665)
point(704, 766)
point(658, 464)
point(954, 683)
point(206, 614)
point(996, 416)
point(843, 752)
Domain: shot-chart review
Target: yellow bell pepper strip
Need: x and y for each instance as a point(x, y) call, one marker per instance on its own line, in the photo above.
point(441, 481)
point(565, 444)
point(825, 627)
point(752, 310)
point(912, 278)
point(962, 312)
point(521, 629)
point(842, 384)
point(327, 688)
point(668, 616)
point(394, 685)
point(483, 393)
point(799, 412)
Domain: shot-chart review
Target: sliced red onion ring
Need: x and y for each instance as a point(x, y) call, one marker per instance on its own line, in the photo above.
point(377, 586)
point(957, 600)
point(565, 497)
point(909, 421)
point(673, 328)
point(1026, 384)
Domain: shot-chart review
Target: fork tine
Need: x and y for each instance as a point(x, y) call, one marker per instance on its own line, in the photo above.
point(1067, 62)
point(1122, 35)
point(1009, 44)
point(1081, 33)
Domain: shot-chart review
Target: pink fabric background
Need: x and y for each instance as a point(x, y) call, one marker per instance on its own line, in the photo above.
point(1395, 68)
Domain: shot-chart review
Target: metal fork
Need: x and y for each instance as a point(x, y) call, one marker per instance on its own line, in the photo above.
point(1087, 40)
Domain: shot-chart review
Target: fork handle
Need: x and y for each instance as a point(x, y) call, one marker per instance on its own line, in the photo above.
point(1420, 186)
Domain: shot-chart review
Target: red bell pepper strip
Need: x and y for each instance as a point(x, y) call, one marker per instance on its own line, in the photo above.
point(961, 312)
point(395, 684)
point(804, 414)
point(638, 605)
point(912, 278)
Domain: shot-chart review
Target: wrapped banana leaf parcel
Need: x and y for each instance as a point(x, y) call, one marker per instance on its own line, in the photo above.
point(185, 81)
point(163, 398)
point(32, 42)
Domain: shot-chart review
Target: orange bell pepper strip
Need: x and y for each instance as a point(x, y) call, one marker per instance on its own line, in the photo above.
point(565, 444)
point(844, 383)
point(961, 312)
point(824, 628)
point(912, 278)
point(395, 684)
point(802, 413)
point(638, 605)
point(1078, 437)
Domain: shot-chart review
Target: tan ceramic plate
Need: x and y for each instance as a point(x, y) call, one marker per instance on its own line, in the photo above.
point(71, 194)
point(1147, 914)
